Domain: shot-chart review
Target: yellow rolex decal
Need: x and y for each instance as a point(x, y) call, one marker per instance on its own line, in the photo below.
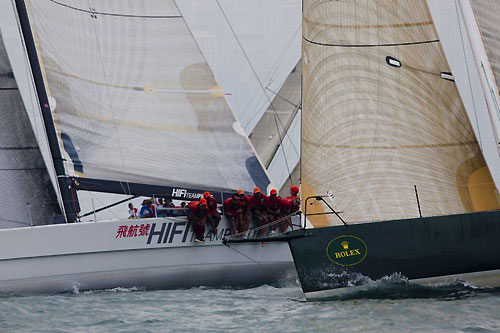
point(346, 250)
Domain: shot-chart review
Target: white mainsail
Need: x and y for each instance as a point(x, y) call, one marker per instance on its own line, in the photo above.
point(26, 194)
point(379, 116)
point(133, 99)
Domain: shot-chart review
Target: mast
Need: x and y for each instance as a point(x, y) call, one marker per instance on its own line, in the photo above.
point(69, 196)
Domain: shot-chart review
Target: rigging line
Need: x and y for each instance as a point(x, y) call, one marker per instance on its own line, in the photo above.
point(273, 70)
point(110, 104)
point(9, 88)
point(115, 14)
point(283, 98)
point(283, 150)
point(260, 83)
point(371, 45)
point(244, 255)
point(98, 200)
point(468, 76)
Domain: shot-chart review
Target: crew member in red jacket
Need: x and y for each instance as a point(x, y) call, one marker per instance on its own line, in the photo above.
point(274, 204)
point(245, 212)
point(291, 204)
point(197, 215)
point(233, 210)
point(213, 217)
point(259, 210)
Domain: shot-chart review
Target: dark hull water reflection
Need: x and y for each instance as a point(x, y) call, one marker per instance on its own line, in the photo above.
point(390, 304)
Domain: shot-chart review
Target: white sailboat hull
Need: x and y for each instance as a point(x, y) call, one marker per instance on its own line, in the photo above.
point(59, 258)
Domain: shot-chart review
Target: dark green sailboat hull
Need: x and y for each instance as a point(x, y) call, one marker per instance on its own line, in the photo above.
point(342, 256)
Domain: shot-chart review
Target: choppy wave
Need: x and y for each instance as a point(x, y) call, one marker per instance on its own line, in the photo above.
point(397, 286)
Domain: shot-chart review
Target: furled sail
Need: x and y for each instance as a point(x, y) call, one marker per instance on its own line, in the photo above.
point(134, 101)
point(25, 185)
point(381, 113)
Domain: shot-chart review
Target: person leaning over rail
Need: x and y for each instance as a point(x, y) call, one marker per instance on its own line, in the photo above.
point(259, 211)
point(274, 204)
point(245, 212)
point(197, 216)
point(233, 210)
point(290, 205)
point(213, 217)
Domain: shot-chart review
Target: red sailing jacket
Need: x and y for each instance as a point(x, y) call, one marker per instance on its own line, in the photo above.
point(258, 203)
point(274, 203)
point(231, 207)
point(212, 206)
point(290, 205)
point(193, 208)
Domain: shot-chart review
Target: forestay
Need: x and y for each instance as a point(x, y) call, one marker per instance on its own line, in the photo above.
point(373, 126)
point(134, 100)
point(25, 185)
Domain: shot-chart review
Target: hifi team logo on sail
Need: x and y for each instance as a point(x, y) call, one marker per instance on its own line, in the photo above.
point(346, 250)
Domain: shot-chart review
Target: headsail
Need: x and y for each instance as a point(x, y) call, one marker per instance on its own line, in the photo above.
point(379, 115)
point(271, 129)
point(25, 185)
point(134, 101)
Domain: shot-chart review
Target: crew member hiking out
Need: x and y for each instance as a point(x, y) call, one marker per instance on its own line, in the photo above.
point(274, 204)
point(213, 217)
point(233, 210)
point(197, 215)
point(259, 211)
point(245, 212)
point(291, 204)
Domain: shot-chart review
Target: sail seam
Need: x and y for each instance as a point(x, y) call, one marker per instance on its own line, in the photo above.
point(368, 26)
point(438, 145)
point(18, 148)
point(21, 169)
point(115, 14)
point(371, 45)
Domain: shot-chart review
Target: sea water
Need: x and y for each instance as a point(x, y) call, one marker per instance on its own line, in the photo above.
point(391, 304)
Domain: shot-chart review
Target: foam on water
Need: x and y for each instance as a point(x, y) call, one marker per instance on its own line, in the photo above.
point(389, 304)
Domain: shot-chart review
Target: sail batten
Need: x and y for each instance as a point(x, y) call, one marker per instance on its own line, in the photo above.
point(134, 100)
point(378, 118)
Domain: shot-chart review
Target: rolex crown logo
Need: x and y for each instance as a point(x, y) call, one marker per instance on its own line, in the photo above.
point(345, 245)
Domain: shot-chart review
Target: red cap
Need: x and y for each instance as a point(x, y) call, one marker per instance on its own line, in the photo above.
point(273, 191)
point(256, 190)
point(294, 189)
point(240, 192)
point(206, 194)
point(203, 201)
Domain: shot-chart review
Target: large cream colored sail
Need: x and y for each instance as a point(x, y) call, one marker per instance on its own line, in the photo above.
point(371, 131)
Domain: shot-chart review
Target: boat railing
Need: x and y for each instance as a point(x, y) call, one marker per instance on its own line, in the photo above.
point(320, 198)
point(273, 229)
